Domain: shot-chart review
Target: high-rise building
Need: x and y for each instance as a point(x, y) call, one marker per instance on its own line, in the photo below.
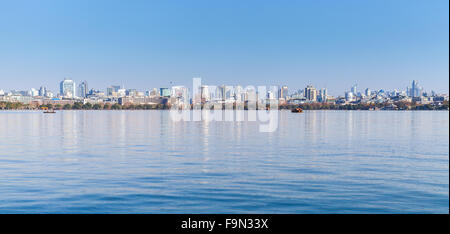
point(310, 93)
point(129, 92)
point(178, 91)
point(270, 95)
point(164, 92)
point(220, 93)
point(284, 92)
point(415, 90)
point(354, 89)
point(42, 91)
point(368, 92)
point(223, 93)
point(349, 96)
point(323, 94)
point(230, 93)
point(154, 92)
point(181, 95)
point(34, 92)
point(67, 88)
point(112, 90)
point(239, 94)
point(205, 94)
point(83, 89)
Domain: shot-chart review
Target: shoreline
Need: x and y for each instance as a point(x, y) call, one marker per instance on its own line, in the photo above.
point(37, 110)
point(410, 106)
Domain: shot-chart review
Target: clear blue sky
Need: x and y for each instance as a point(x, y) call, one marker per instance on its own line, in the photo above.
point(146, 44)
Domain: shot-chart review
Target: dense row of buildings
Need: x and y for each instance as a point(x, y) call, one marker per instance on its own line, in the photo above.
point(70, 93)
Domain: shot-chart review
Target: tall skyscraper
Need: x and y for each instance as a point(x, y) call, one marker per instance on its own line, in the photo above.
point(368, 92)
point(323, 94)
point(310, 93)
point(416, 90)
point(83, 89)
point(42, 91)
point(67, 88)
point(205, 94)
point(354, 89)
point(284, 92)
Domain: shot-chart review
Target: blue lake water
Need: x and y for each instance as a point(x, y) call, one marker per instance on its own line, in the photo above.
point(142, 162)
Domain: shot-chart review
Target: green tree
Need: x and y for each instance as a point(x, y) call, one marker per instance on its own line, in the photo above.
point(67, 107)
point(77, 106)
point(87, 106)
point(116, 106)
point(96, 106)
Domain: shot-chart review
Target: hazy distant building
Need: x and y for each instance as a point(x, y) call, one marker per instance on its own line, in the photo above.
point(130, 92)
point(323, 94)
point(42, 91)
point(180, 96)
point(49, 94)
point(354, 89)
point(223, 93)
point(349, 96)
point(220, 93)
point(112, 90)
point(179, 91)
point(154, 92)
point(67, 88)
point(250, 95)
point(283, 92)
point(368, 92)
point(310, 93)
point(239, 94)
point(34, 92)
point(415, 90)
point(121, 92)
point(83, 89)
point(204, 93)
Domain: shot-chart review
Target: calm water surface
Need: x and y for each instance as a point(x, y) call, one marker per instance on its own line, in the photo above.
point(142, 162)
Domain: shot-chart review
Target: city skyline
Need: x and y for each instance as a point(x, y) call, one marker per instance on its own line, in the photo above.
point(380, 44)
point(81, 89)
point(183, 97)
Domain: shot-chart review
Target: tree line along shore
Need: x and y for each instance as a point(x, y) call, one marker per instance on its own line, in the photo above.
point(304, 106)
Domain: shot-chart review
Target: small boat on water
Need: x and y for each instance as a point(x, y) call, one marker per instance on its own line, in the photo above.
point(48, 111)
point(297, 110)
